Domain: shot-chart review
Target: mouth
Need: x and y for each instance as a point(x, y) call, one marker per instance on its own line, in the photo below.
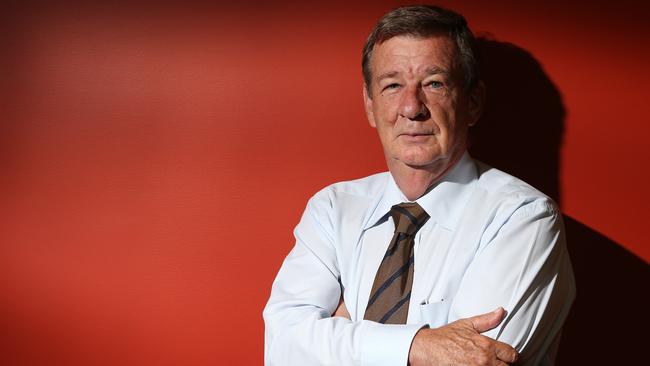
point(415, 137)
point(416, 134)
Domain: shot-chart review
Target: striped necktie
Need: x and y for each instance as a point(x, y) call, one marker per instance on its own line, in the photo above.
point(391, 291)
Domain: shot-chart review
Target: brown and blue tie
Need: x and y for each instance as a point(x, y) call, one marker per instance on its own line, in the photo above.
point(391, 291)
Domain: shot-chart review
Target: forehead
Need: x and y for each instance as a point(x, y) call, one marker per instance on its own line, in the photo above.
point(409, 54)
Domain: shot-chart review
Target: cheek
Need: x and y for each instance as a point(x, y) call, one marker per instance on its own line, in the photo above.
point(448, 128)
point(446, 112)
point(384, 120)
point(384, 130)
point(386, 106)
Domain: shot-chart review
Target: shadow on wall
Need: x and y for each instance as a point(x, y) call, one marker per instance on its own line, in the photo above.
point(521, 133)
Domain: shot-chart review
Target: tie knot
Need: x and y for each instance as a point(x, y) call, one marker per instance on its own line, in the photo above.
point(408, 217)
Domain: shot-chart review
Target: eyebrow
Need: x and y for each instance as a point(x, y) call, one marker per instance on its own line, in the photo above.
point(436, 70)
point(433, 70)
point(386, 75)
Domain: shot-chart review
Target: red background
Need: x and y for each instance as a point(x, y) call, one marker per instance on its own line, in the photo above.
point(154, 159)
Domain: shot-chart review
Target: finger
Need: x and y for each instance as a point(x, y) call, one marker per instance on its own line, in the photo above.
point(505, 352)
point(341, 310)
point(484, 322)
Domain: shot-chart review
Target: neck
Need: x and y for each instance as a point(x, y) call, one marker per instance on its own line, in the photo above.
point(416, 181)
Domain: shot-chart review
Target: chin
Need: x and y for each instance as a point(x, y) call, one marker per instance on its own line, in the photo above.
point(424, 161)
point(421, 159)
point(417, 163)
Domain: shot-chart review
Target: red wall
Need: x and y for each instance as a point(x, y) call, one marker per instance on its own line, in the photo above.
point(155, 160)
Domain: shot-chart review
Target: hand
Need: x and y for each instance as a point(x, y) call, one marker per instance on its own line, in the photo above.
point(341, 310)
point(460, 343)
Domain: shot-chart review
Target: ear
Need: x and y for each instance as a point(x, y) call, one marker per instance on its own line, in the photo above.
point(476, 102)
point(367, 103)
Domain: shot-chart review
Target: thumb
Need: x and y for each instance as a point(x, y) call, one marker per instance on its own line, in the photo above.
point(484, 322)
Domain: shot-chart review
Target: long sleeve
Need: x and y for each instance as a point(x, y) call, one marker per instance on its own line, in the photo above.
point(299, 329)
point(522, 265)
point(492, 241)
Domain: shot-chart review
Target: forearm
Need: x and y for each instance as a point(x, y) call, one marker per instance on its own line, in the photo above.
point(317, 340)
point(301, 331)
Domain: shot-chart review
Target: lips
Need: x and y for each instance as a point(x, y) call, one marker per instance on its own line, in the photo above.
point(415, 137)
point(416, 134)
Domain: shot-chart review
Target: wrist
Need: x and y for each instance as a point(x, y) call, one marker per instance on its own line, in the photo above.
point(416, 348)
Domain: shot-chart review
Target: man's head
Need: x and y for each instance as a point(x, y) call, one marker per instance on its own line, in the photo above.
point(422, 90)
point(423, 21)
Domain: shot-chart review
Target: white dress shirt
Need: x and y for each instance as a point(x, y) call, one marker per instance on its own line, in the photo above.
point(492, 240)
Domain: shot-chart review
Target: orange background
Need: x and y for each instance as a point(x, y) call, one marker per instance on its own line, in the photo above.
point(154, 160)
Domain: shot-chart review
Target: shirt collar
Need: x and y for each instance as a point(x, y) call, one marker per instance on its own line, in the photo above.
point(444, 202)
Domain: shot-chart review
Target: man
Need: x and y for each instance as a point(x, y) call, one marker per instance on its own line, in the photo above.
point(441, 261)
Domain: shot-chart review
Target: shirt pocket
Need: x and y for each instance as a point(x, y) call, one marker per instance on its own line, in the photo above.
point(435, 314)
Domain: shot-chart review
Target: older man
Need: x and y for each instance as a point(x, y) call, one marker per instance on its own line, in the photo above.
point(440, 261)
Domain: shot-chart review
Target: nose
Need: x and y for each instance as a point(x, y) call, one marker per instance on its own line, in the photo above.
point(412, 104)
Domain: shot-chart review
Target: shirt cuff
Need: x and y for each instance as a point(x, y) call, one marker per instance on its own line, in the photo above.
point(386, 344)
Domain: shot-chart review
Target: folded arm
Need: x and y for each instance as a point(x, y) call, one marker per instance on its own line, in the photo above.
point(299, 327)
point(524, 267)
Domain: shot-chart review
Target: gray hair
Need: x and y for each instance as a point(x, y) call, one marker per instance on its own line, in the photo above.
point(424, 21)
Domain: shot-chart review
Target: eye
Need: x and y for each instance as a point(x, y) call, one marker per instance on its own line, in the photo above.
point(391, 86)
point(434, 84)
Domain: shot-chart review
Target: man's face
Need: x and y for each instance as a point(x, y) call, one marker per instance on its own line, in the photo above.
point(418, 102)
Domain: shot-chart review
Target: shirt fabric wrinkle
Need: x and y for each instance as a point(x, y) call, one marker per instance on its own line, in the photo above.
point(485, 227)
